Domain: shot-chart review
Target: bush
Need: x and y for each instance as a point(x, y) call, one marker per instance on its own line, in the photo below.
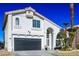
point(71, 34)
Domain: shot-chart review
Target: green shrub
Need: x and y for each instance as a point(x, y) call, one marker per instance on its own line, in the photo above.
point(71, 34)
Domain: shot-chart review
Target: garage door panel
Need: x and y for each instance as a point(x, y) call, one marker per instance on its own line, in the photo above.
point(27, 44)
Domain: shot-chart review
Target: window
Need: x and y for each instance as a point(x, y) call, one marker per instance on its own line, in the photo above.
point(17, 21)
point(36, 23)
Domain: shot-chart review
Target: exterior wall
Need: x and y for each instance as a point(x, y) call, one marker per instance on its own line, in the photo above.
point(17, 36)
point(8, 34)
point(26, 27)
point(12, 31)
point(55, 31)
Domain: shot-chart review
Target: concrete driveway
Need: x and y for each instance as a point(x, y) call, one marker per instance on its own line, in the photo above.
point(34, 53)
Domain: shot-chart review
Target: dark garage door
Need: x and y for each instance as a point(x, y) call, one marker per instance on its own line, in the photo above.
point(27, 44)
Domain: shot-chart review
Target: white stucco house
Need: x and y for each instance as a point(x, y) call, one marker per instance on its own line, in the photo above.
point(26, 29)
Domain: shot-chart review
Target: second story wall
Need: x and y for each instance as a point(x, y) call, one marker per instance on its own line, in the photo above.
point(26, 24)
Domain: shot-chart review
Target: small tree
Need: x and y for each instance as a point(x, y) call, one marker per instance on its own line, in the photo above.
point(65, 38)
point(65, 24)
point(71, 34)
point(61, 36)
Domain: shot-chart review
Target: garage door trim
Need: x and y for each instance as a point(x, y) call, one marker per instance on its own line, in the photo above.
point(19, 44)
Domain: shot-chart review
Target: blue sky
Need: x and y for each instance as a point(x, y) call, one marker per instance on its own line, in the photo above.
point(57, 13)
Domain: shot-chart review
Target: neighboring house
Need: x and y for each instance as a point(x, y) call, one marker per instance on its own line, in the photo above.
point(75, 44)
point(26, 29)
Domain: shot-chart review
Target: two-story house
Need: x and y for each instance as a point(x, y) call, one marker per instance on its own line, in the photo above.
point(26, 29)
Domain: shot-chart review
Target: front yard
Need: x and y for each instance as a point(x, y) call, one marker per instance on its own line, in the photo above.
point(5, 53)
point(68, 53)
point(52, 53)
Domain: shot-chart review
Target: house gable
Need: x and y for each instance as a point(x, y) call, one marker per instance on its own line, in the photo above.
point(23, 11)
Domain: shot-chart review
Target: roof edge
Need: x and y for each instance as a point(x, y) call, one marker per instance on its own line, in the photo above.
point(23, 10)
point(49, 20)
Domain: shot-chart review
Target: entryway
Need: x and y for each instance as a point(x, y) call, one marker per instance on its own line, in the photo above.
point(49, 38)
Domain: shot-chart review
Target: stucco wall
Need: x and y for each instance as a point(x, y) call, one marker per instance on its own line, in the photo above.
point(8, 33)
point(55, 30)
point(25, 27)
point(6, 36)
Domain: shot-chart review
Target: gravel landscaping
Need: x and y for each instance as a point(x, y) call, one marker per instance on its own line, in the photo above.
point(5, 53)
point(55, 53)
point(68, 53)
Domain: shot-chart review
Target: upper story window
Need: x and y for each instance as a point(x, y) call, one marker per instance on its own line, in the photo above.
point(17, 21)
point(36, 23)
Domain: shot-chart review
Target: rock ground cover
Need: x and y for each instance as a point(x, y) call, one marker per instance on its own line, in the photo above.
point(55, 53)
point(5, 53)
point(68, 53)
